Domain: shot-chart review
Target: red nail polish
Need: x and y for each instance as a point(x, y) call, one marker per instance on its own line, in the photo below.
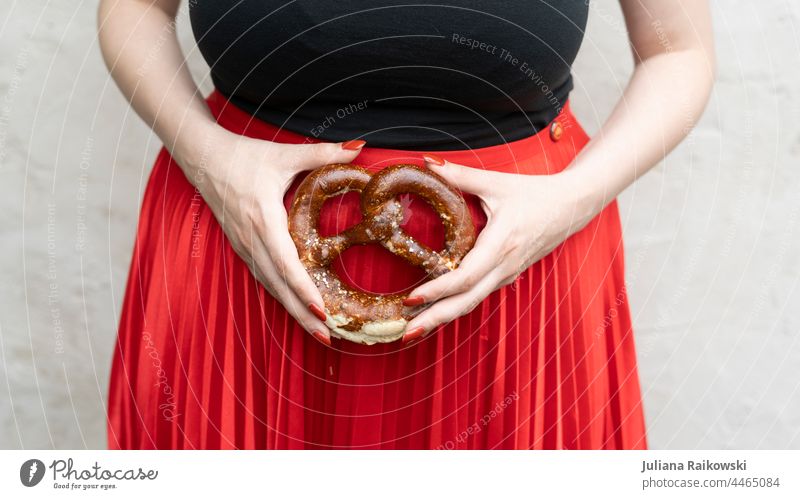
point(413, 334)
point(432, 158)
point(413, 301)
point(317, 311)
point(321, 337)
point(353, 145)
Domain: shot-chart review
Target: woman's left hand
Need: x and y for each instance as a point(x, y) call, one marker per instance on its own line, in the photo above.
point(527, 217)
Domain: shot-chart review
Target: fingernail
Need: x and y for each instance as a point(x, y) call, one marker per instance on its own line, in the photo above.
point(321, 337)
point(434, 159)
point(413, 301)
point(317, 311)
point(413, 334)
point(353, 145)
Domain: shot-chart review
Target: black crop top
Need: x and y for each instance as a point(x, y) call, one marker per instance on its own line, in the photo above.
point(404, 75)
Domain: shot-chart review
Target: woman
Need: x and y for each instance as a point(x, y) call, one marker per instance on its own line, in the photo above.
point(528, 344)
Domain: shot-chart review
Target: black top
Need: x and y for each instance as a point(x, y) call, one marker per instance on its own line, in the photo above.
point(398, 74)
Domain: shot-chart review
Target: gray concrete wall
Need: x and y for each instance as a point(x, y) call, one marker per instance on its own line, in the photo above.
point(713, 237)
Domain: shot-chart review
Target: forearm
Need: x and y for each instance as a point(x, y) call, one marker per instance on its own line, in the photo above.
point(141, 50)
point(662, 102)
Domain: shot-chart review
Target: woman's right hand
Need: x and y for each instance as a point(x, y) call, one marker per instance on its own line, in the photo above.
point(244, 180)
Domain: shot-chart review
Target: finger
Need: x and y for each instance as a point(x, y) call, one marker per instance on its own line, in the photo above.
point(284, 257)
point(471, 180)
point(482, 259)
point(451, 308)
point(266, 272)
point(312, 156)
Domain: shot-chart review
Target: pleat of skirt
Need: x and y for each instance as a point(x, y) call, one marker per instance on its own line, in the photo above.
point(207, 359)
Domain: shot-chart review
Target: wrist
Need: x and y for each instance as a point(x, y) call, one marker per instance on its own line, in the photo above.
point(588, 196)
point(196, 147)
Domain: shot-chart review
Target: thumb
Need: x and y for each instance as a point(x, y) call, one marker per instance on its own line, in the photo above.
point(464, 178)
point(316, 155)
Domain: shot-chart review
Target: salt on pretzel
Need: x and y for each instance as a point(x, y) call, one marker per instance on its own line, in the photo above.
point(356, 315)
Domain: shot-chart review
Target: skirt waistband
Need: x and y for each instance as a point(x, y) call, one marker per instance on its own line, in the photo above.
point(546, 152)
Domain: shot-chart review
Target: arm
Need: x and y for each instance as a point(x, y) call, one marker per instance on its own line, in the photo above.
point(673, 49)
point(672, 44)
point(141, 50)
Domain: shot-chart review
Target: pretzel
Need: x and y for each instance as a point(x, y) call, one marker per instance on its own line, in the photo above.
point(356, 315)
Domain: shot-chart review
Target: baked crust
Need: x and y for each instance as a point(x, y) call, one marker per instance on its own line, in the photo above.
point(353, 314)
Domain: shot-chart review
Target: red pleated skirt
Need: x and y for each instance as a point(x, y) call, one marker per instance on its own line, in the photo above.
point(207, 359)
